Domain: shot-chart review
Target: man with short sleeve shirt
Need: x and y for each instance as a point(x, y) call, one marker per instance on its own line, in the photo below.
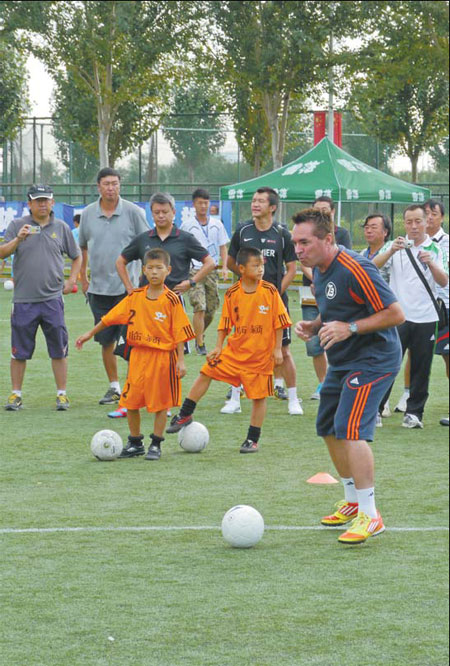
point(181, 246)
point(211, 234)
point(106, 226)
point(38, 242)
point(435, 212)
point(280, 267)
point(358, 314)
point(418, 332)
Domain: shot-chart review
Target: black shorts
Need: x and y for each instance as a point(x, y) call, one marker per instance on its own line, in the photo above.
point(100, 306)
point(287, 332)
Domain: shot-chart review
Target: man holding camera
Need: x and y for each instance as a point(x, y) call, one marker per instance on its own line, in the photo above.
point(38, 242)
point(418, 333)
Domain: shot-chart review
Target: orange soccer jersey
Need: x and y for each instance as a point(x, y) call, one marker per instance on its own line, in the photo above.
point(255, 318)
point(155, 328)
point(158, 324)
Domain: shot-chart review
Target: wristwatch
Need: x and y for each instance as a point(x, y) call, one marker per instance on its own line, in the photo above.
point(192, 283)
point(353, 328)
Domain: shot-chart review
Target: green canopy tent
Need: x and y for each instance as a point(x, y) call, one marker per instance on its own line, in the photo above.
point(327, 170)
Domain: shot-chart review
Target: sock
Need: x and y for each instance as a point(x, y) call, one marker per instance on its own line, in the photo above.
point(279, 383)
point(135, 441)
point(254, 434)
point(115, 386)
point(366, 501)
point(17, 392)
point(156, 441)
point(236, 394)
point(188, 408)
point(62, 392)
point(406, 390)
point(292, 394)
point(349, 489)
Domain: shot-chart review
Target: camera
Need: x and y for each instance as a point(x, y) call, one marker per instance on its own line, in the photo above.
point(409, 244)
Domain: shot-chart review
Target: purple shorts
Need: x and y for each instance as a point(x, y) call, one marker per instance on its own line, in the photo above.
point(25, 321)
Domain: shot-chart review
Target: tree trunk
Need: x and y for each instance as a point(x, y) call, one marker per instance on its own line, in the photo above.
point(271, 107)
point(257, 163)
point(103, 153)
point(414, 161)
point(152, 170)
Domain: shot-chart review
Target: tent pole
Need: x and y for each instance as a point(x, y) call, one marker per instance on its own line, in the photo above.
point(339, 213)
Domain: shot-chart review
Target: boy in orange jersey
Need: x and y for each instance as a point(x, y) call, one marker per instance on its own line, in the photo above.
point(256, 312)
point(158, 327)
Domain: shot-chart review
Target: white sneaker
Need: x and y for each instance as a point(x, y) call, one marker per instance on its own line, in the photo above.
point(386, 413)
point(401, 405)
point(231, 407)
point(295, 408)
point(412, 421)
point(379, 423)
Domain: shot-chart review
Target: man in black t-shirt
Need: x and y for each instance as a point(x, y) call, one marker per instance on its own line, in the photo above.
point(181, 246)
point(275, 243)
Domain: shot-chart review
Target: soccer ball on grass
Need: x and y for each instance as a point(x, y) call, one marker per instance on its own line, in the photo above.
point(106, 445)
point(242, 526)
point(194, 437)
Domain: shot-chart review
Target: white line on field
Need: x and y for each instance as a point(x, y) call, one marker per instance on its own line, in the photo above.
point(192, 528)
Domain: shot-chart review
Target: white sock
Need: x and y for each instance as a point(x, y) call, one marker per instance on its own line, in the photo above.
point(279, 383)
point(292, 394)
point(60, 392)
point(236, 394)
point(16, 392)
point(349, 490)
point(366, 501)
point(115, 386)
point(406, 391)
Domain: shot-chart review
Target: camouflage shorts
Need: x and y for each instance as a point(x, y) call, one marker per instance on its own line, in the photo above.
point(205, 296)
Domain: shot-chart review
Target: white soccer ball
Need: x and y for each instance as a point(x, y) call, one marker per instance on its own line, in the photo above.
point(8, 285)
point(242, 526)
point(106, 445)
point(194, 437)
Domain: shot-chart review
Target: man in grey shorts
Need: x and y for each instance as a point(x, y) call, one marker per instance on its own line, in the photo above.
point(38, 242)
point(107, 226)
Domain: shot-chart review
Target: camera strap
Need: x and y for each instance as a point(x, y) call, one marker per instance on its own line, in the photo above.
point(423, 280)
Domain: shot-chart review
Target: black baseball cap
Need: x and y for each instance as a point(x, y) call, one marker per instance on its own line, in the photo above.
point(40, 192)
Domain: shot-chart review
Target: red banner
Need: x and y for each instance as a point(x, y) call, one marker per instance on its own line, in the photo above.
point(319, 125)
point(337, 134)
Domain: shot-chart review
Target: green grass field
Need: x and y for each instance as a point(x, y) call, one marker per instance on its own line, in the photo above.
point(172, 597)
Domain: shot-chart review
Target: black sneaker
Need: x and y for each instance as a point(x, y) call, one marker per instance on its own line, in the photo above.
point(280, 393)
point(200, 349)
point(249, 447)
point(177, 423)
point(154, 453)
point(111, 396)
point(132, 450)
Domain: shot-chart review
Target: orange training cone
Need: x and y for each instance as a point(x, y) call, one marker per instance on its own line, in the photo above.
point(322, 478)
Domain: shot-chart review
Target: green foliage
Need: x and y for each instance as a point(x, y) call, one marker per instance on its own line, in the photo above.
point(13, 91)
point(93, 47)
point(195, 108)
point(399, 89)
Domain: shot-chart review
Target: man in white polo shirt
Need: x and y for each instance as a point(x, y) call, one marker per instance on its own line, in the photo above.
point(418, 333)
point(211, 234)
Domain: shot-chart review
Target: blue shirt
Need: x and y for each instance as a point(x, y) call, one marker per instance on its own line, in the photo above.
point(352, 289)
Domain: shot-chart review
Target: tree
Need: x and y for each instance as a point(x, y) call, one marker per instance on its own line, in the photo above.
point(251, 128)
point(113, 52)
point(195, 109)
point(399, 87)
point(278, 49)
point(13, 96)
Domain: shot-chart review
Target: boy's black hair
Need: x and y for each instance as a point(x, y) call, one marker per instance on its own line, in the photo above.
point(77, 218)
point(246, 253)
point(155, 254)
point(200, 193)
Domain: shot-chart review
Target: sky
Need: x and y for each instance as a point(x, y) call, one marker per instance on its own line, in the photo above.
point(41, 87)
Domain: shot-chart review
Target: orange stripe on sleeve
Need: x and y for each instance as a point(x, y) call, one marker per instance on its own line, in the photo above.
point(363, 279)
